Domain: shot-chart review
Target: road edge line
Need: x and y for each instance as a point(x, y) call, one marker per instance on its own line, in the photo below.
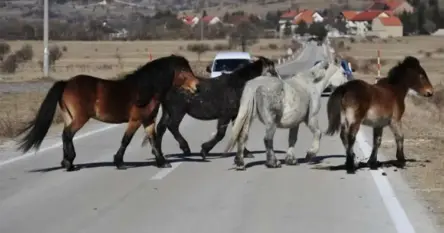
point(391, 202)
point(165, 171)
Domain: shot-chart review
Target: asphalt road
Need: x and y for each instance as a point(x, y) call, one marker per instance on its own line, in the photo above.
point(36, 196)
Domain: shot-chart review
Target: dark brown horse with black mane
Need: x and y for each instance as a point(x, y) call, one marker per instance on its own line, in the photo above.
point(112, 101)
point(218, 98)
point(378, 105)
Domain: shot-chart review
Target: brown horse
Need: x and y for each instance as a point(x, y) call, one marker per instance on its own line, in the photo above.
point(379, 105)
point(112, 101)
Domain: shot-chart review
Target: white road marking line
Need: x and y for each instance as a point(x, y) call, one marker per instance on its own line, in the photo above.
point(165, 171)
point(56, 145)
point(396, 212)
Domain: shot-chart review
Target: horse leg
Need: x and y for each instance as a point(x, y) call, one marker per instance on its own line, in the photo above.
point(292, 139)
point(377, 136)
point(149, 124)
point(247, 153)
point(69, 153)
point(396, 127)
point(173, 127)
point(240, 155)
point(350, 164)
point(222, 125)
point(272, 161)
point(160, 131)
point(150, 131)
point(132, 127)
point(343, 136)
point(312, 123)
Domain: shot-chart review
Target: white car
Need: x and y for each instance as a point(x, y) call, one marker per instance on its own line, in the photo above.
point(226, 62)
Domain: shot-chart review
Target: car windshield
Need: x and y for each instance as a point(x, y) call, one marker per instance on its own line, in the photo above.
point(228, 64)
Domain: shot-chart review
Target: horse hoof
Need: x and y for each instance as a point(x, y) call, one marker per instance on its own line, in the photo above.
point(291, 161)
point(309, 156)
point(71, 168)
point(121, 166)
point(186, 151)
point(67, 165)
point(351, 168)
point(204, 154)
point(164, 164)
point(400, 164)
point(373, 165)
point(118, 162)
point(167, 165)
point(276, 164)
point(351, 171)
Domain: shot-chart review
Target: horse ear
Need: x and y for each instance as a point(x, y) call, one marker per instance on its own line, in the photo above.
point(255, 58)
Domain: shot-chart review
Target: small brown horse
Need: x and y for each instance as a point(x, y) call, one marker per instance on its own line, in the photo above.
point(379, 105)
point(83, 97)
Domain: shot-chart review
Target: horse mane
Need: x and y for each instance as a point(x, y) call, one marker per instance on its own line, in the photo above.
point(155, 72)
point(309, 72)
point(248, 71)
point(397, 72)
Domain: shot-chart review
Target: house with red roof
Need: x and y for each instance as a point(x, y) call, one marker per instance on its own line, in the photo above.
point(296, 17)
point(397, 7)
point(368, 16)
point(289, 15)
point(190, 20)
point(348, 15)
point(384, 27)
point(361, 23)
point(211, 20)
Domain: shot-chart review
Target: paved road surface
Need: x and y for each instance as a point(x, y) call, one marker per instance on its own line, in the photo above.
point(36, 196)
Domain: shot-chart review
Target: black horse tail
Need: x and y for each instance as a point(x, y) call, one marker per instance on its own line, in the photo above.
point(42, 121)
point(334, 107)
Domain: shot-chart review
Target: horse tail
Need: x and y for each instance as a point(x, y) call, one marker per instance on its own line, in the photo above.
point(40, 124)
point(243, 120)
point(334, 106)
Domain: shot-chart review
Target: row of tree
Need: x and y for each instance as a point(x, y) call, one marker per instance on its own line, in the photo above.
point(427, 18)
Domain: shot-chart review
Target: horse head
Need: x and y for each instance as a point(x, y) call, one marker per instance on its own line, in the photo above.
point(268, 65)
point(336, 74)
point(318, 71)
point(184, 76)
point(413, 75)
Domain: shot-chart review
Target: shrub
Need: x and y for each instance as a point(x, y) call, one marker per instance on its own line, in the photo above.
point(219, 47)
point(10, 64)
point(5, 48)
point(26, 53)
point(54, 54)
point(198, 48)
point(272, 46)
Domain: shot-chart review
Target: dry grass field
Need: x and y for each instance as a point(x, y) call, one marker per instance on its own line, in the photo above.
point(103, 59)
point(424, 118)
point(108, 58)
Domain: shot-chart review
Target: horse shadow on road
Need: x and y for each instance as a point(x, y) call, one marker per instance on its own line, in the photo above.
point(316, 160)
point(381, 164)
point(127, 165)
point(172, 158)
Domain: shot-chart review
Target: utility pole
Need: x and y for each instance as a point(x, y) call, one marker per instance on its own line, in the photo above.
point(45, 39)
point(202, 22)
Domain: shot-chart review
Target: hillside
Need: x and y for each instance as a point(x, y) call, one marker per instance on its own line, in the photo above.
point(66, 9)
